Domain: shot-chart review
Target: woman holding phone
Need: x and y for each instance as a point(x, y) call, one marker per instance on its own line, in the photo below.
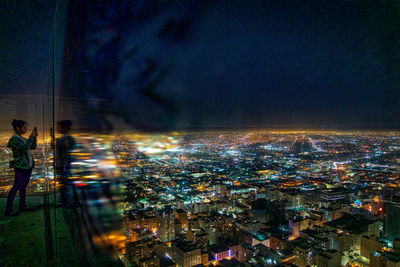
point(22, 163)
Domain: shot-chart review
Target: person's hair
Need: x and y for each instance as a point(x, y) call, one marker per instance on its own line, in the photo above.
point(65, 124)
point(17, 124)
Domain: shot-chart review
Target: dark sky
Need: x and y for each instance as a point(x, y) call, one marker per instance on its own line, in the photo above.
point(25, 51)
point(239, 64)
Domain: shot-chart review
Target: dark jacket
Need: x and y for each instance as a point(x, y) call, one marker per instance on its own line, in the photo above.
point(21, 151)
point(64, 147)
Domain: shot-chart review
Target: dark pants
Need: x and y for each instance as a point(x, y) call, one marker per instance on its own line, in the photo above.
point(22, 177)
point(66, 188)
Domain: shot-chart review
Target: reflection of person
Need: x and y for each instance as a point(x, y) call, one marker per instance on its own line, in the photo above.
point(120, 52)
point(22, 163)
point(63, 147)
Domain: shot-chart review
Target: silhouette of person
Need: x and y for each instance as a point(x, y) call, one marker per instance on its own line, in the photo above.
point(123, 53)
point(22, 163)
point(63, 159)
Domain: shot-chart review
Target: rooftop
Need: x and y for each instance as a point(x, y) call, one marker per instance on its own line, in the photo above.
point(186, 246)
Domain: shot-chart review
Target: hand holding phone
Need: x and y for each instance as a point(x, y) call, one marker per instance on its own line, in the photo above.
point(34, 132)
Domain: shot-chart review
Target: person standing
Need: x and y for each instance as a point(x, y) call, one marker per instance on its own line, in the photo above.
point(63, 159)
point(22, 163)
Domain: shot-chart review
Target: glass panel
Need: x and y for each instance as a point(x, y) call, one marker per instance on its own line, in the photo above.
point(130, 165)
point(88, 227)
point(27, 229)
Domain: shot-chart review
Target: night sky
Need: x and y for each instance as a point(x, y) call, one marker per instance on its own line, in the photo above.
point(224, 64)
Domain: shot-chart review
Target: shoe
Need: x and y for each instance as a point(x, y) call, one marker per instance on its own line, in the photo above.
point(11, 214)
point(26, 209)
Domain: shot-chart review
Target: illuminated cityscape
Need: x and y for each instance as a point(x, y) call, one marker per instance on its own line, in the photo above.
point(200, 133)
point(263, 197)
point(308, 198)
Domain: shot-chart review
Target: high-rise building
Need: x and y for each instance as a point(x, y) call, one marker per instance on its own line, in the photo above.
point(142, 253)
point(186, 253)
point(373, 228)
point(152, 261)
point(218, 253)
point(181, 215)
point(294, 198)
point(340, 241)
point(396, 245)
point(303, 255)
point(147, 220)
point(198, 236)
point(384, 259)
point(166, 225)
point(391, 225)
point(329, 258)
point(370, 244)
